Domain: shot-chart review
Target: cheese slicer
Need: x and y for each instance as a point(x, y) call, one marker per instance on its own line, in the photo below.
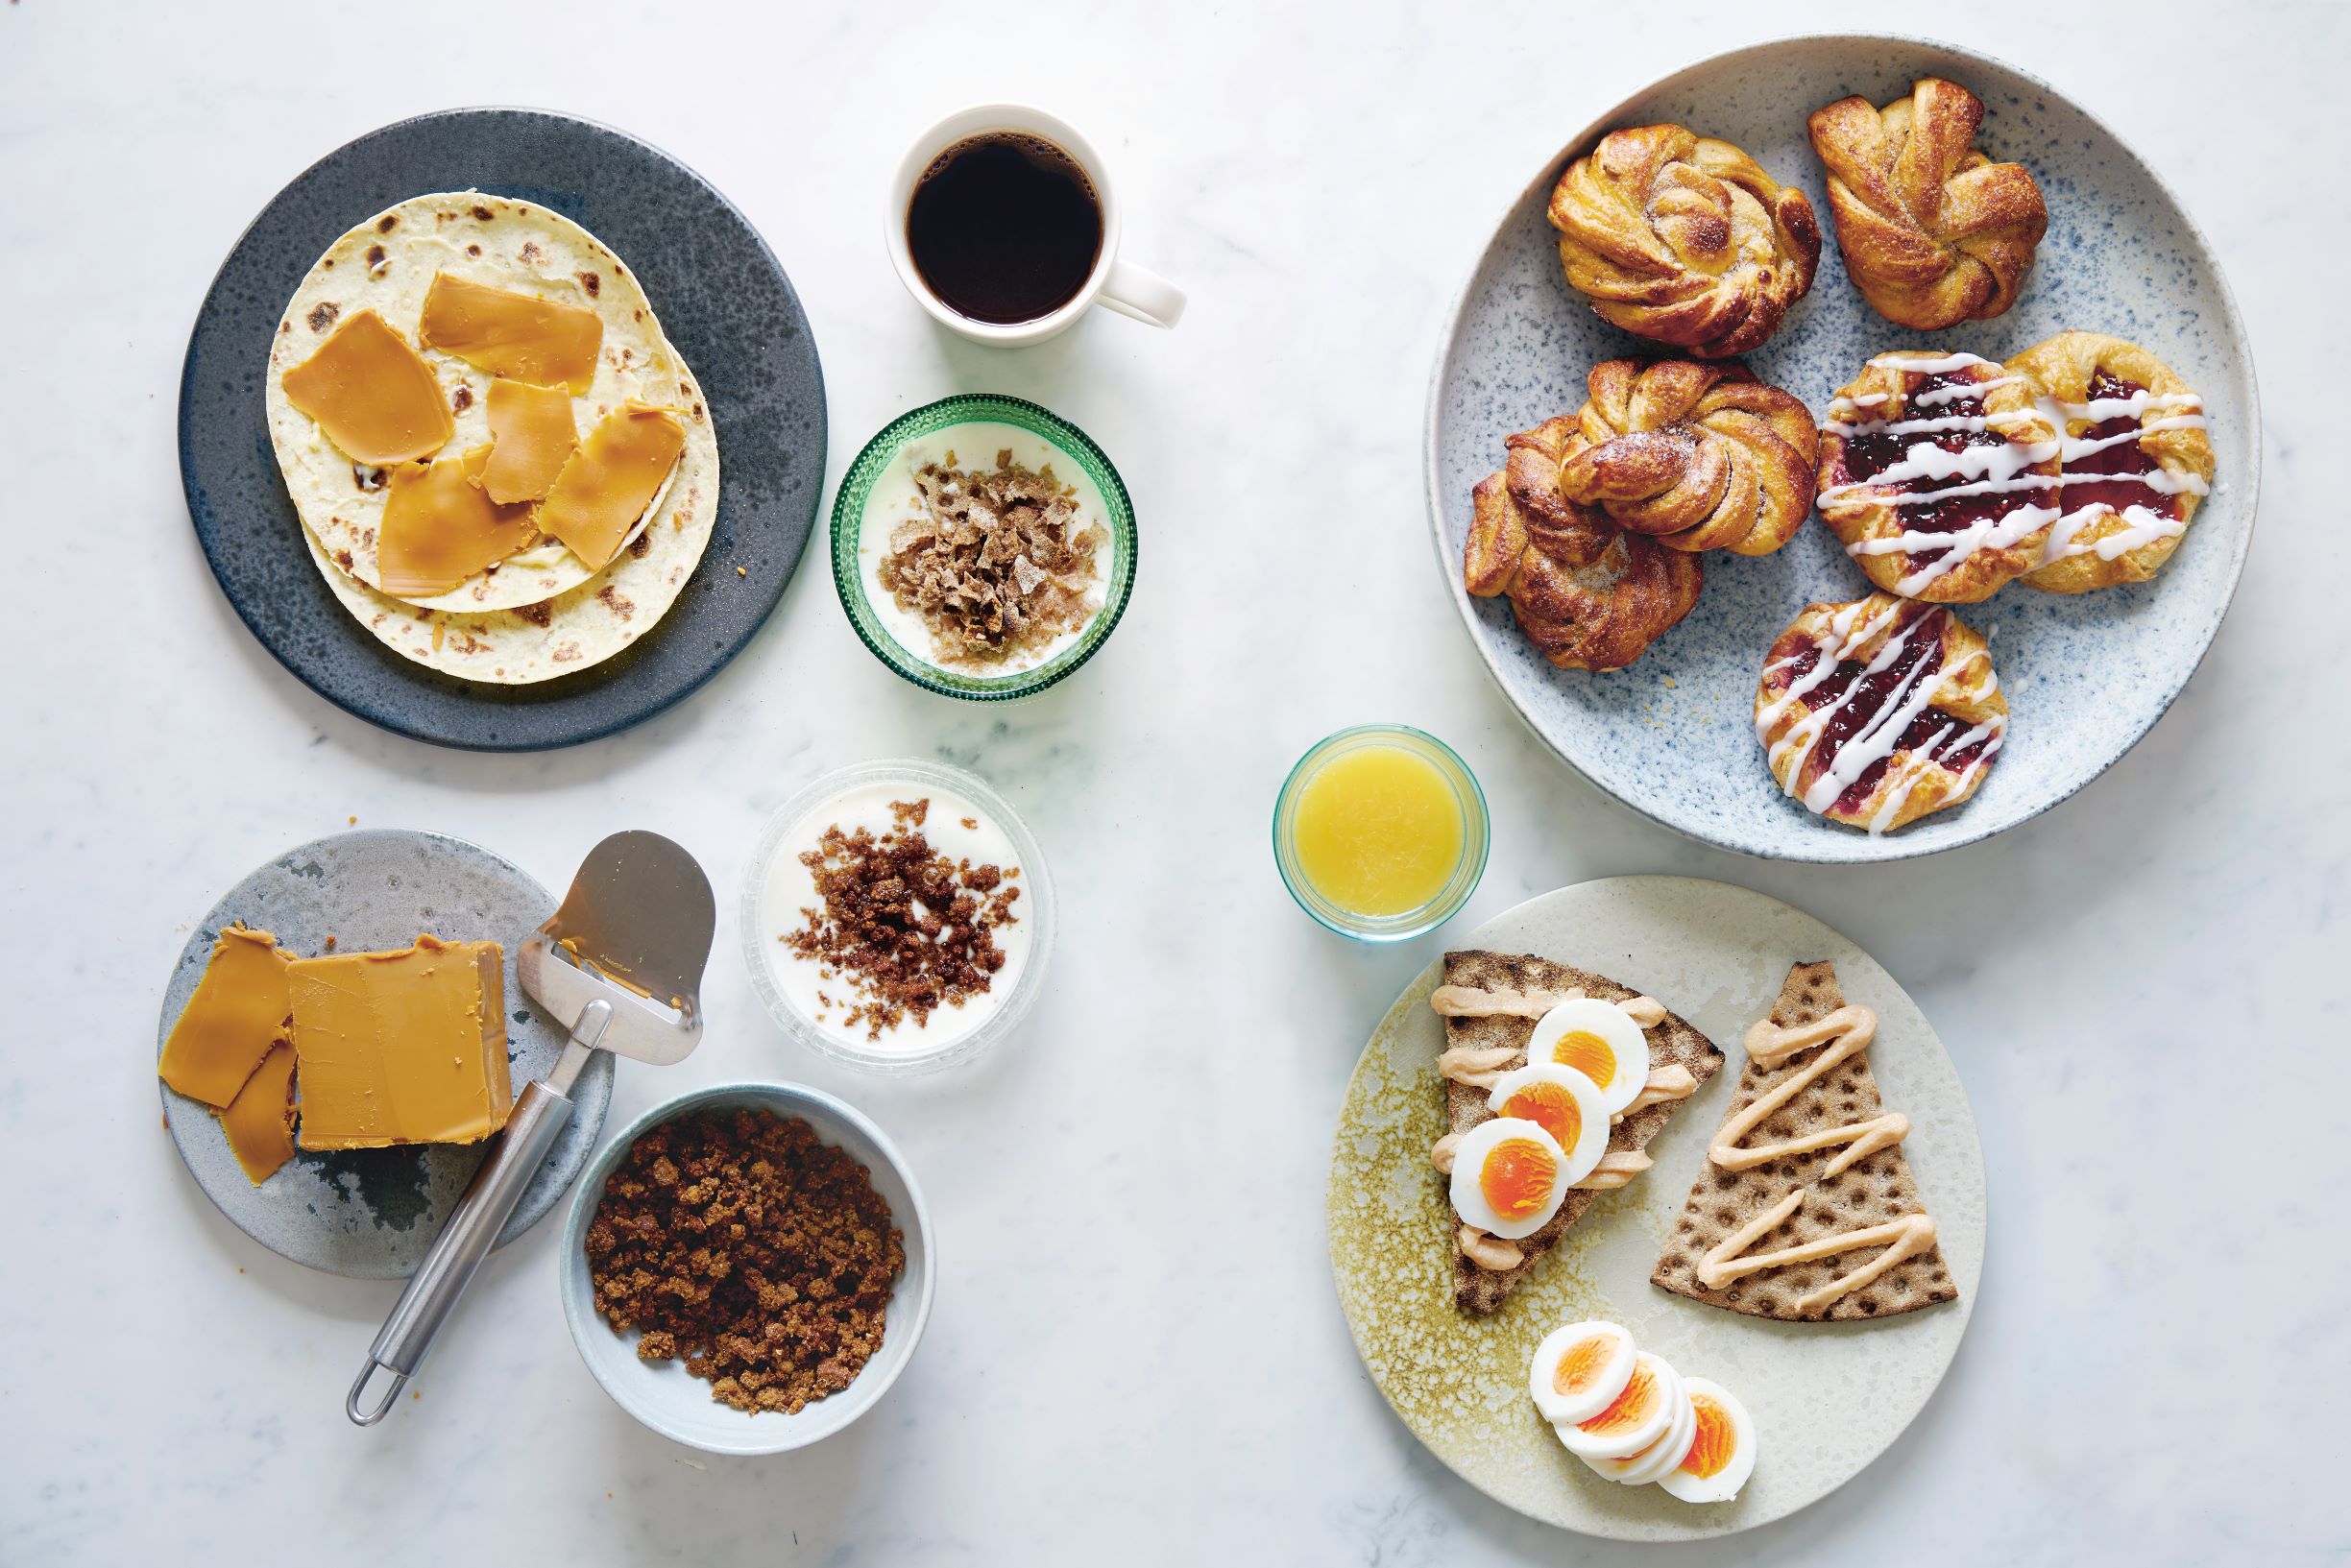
point(620, 964)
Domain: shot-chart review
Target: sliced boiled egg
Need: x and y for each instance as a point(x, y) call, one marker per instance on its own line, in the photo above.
point(1651, 1463)
point(1509, 1177)
point(1565, 1103)
point(1579, 1370)
point(1599, 1039)
point(1633, 1420)
point(1722, 1455)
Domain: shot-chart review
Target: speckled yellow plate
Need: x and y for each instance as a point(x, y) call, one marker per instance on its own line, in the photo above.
point(1825, 1398)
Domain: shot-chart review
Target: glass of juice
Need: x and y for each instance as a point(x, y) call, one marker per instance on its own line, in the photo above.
point(1380, 832)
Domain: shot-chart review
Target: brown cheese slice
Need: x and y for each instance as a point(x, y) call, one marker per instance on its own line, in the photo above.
point(611, 480)
point(407, 1047)
point(372, 394)
point(238, 1011)
point(541, 340)
point(531, 437)
point(440, 526)
point(260, 1121)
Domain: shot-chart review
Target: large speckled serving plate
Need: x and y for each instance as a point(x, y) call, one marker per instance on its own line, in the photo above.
point(724, 301)
point(372, 1214)
point(2086, 675)
point(1827, 1398)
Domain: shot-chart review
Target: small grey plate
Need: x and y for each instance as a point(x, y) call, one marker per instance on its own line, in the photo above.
point(372, 1214)
point(2086, 675)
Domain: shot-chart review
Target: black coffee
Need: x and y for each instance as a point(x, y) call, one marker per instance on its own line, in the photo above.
point(1005, 227)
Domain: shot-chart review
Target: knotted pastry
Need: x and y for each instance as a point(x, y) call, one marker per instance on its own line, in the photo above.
point(1701, 457)
point(1685, 239)
point(1932, 231)
point(1876, 713)
point(1939, 474)
point(1587, 594)
point(2136, 460)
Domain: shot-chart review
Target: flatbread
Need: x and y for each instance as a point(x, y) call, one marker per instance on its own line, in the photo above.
point(386, 265)
point(1870, 1192)
point(1482, 1290)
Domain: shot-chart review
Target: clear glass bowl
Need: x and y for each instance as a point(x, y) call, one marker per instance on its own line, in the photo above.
point(849, 516)
point(1475, 835)
point(761, 925)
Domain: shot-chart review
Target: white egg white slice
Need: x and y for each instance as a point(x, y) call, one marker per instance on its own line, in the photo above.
point(1723, 1452)
point(1653, 1463)
point(1638, 1418)
point(1579, 1370)
point(1486, 1143)
point(1568, 1106)
point(1600, 1041)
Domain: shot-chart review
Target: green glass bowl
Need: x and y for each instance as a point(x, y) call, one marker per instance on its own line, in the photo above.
point(849, 515)
point(1476, 836)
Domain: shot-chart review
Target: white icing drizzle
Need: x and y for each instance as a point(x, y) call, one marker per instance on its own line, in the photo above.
point(1879, 739)
point(2007, 468)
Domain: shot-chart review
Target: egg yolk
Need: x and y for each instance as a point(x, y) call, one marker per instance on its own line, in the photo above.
point(1516, 1177)
point(1632, 1407)
point(1581, 1365)
point(1549, 1107)
point(1716, 1440)
point(1587, 1053)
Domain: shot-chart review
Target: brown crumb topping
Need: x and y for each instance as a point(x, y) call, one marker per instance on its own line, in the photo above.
point(907, 929)
point(765, 1258)
point(996, 564)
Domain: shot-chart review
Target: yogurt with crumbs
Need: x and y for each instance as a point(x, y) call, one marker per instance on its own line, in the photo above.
point(820, 1002)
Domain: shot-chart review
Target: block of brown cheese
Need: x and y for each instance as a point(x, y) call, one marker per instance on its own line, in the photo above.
point(407, 1047)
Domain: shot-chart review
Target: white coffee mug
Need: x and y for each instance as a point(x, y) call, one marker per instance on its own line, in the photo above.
point(1115, 284)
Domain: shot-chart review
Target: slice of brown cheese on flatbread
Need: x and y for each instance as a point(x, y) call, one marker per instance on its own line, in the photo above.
point(1482, 1290)
point(1875, 1190)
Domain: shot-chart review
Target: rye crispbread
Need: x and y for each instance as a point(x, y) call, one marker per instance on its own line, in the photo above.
point(1870, 1192)
point(1480, 1289)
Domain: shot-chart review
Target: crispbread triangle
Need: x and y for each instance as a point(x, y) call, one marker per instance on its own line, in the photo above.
point(1869, 1191)
point(1478, 1289)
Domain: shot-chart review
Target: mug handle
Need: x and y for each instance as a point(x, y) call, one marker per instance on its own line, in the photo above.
point(1143, 294)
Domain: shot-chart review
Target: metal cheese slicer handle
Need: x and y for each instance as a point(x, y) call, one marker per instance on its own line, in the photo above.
point(433, 1291)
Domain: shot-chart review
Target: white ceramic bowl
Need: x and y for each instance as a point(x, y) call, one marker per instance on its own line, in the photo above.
point(760, 924)
point(664, 1395)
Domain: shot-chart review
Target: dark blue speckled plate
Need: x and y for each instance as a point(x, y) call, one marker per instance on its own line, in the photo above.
point(372, 1214)
point(721, 296)
point(2086, 675)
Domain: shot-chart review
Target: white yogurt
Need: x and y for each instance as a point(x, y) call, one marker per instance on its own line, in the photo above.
point(894, 499)
point(790, 888)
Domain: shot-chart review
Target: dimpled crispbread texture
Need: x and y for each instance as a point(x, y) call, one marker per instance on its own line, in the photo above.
point(1867, 1192)
point(1482, 1290)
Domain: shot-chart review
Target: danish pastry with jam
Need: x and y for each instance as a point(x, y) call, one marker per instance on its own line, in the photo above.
point(1588, 594)
point(1699, 457)
point(1939, 474)
point(2135, 463)
point(1932, 231)
point(1684, 239)
point(1877, 712)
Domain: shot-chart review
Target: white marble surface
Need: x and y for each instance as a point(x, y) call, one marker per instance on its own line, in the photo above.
point(1137, 1354)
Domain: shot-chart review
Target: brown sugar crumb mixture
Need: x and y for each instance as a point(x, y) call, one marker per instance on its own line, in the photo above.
point(762, 1256)
point(907, 929)
point(997, 565)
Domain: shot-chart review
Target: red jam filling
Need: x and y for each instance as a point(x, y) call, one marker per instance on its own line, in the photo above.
point(1866, 456)
point(1920, 654)
point(2123, 457)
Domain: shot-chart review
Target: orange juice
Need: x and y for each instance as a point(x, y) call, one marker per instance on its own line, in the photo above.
point(1378, 830)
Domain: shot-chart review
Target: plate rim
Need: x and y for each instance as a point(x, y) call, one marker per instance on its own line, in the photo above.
point(1885, 848)
point(391, 720)
point(597, 1074)
point(1965, 1305)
